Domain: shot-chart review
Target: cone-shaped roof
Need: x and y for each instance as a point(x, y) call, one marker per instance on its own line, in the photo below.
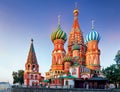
point(32, 56)
point(76, 23)
point(76, 32)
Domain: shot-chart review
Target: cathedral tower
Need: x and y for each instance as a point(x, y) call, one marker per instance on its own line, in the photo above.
point(32, 77)
point(76, 50)
point(76, 36)
point(67, 61)
point(93, 52)
point(58, 38)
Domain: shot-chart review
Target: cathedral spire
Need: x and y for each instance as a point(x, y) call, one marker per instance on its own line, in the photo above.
point(76, 39)
point(31, 40)
point(76, 33)
point(76, 5)
point(32, 56)
point(76, 12)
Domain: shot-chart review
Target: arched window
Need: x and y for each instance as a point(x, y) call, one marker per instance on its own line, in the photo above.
point(35, 77)
point(28, 67)
point(31, 76)
point(33, 67)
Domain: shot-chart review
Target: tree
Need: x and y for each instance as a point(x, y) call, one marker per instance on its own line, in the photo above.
point(18, 77)
point(112, 73)
point(15, 77)
point(117, 58)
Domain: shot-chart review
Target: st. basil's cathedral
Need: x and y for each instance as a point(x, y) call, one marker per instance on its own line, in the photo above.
point(77, 66)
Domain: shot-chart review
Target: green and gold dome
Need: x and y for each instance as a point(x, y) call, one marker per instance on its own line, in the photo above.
point(67, 58)
point(58, 34)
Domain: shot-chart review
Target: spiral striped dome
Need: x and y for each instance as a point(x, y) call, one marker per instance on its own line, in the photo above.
point(93, 35)
point(58, 34)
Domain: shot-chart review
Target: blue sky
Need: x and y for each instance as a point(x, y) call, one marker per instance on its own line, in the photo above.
point(21, 20)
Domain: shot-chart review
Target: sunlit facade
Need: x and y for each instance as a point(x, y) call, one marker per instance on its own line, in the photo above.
point(32, 77)
point(81, 60)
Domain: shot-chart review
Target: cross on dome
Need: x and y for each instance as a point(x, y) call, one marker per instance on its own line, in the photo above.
point(59, 19)
point(93, 24)
point(76, 5)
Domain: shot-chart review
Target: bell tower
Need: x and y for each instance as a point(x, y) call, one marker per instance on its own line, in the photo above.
point(32, 77)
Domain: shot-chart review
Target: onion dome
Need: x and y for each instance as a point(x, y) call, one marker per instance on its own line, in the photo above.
point(59, 33)
point(75, 46)
point(67, 58)
point(93, 35)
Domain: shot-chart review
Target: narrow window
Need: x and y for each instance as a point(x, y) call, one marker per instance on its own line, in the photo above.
point(33, 67)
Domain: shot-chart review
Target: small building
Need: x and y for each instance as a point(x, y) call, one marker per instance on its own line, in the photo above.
point(5, 86)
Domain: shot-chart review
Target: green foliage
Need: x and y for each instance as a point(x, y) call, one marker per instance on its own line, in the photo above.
point(112, 73)
point(18, 77)
point(117, 58)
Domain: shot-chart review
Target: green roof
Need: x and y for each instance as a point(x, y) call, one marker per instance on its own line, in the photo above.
point(76, 46)
point(98, 78)
point(76, 64)
point(45, 80)
point(68, 77)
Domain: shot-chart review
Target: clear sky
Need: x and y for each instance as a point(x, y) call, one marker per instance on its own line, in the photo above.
point(21, 20)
